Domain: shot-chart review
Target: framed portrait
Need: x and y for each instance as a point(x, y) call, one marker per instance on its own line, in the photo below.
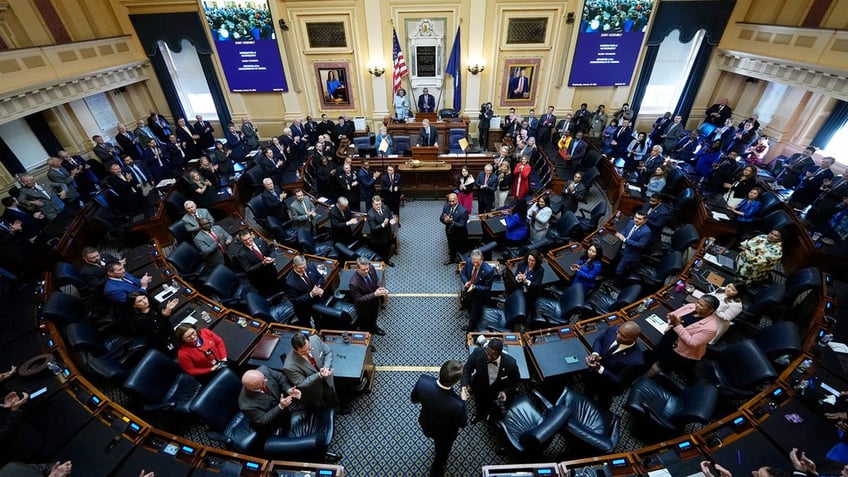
point(334, 85)
point(520, 82)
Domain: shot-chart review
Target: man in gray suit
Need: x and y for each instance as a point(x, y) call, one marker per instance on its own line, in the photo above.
point(192, 217)
point(212, 241)
point(58, 174)
point(302, 212)
point(44, 199)
point(264, 398)
point(309, 366)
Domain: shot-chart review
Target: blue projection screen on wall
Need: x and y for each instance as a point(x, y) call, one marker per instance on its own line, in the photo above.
point(244, 36)
point(609, 42)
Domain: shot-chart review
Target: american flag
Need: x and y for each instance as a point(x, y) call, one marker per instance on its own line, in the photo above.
point(399, 63)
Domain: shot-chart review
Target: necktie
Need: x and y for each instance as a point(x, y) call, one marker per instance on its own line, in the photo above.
point(306, 279)
point(379, 212)
point(215, 238)
point(619, 131)
point(257, 252)
point(312, 361)
point(266, 390)
point(474, 275)
point(139, 175)
point(368, 279)
point(520, 85)
point(452, 210)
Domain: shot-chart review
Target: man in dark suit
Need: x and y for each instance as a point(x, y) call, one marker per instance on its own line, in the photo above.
point(156, 162)
point(426, 102)
point(192, 216)
point(159, 125)
point(139, 172)
point(274, 200)
point(634, 240)
point(487, 183)
point(621, 139)
point(519, 85)
point(264, 398)
point(105, 151)
point(477, 277)
point(443, 413)
point(309, 366)
point(188, 137)
point(128, 142)
point(119, 283)
point(718, 113)
point(657, 214)
point(256, 258)
point(577, 150)
point(341, 220)
point(380, 222)
point(810, 187)
point(128, 191)
point(455, 218)
point(616, 360)
point(349, 186)
point(31, 223)
point(304, 287)
point(367, 292)
point(491, 375)
point(93, 269)
point(302, 212)
point(427, 135)
point(828, 201)
point(270, 165)
point(367, 182)
point(176, 152)
point(796, 167)
point(205, 132)
point(565, 126)
point(326, 126)
point(546, 123)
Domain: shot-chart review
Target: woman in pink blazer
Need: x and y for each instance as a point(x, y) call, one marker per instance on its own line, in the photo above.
point(693, 326)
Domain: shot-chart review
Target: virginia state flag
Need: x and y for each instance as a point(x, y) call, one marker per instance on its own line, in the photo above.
point(454, 69)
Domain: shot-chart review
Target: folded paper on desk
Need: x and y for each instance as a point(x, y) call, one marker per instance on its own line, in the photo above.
point(634, 188)
point(719, 215)
point(658, 323)
point(659, 473)
point(166, 183)
point(503, 222)
point(838, 347)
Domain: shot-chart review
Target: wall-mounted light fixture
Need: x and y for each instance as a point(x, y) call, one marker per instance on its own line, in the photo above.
point(283, 25)
point(569, 18)
point(475, 68)
point(376, 70)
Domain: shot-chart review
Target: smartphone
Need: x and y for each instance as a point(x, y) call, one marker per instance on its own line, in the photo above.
point(37, 393)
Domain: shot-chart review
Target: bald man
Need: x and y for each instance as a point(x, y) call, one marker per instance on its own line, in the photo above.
point(264, 397)
point(616, 360)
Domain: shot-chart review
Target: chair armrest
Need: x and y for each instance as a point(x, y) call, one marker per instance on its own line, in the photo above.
point(542, 399)
point(287, 447)
point(217, 436)
point(161, 406)
point(553, 421)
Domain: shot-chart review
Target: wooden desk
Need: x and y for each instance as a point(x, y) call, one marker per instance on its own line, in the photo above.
point(214, 462)
point(549, 468)
point(681, 456)
point(427, 175)
point(240, 333)
point(562, 258)
point(321, 470)
point(620, 465)
point(442, 129)
point(556, 352)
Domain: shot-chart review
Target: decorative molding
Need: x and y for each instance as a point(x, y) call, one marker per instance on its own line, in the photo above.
point(811, 78)
point(26, 103)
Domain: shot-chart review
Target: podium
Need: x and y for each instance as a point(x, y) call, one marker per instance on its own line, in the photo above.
point(425, 153)
point(419, 117)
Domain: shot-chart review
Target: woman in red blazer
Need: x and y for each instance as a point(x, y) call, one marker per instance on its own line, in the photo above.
point(682, 349)
point(201, 353)
point(521, 178)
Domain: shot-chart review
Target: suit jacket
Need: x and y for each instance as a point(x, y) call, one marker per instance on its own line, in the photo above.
point(61, 175)
point(207, 138)
point(486, 196)
point(298, 291)
point(49, 207)
point(672, 135)
point(535, 276)
point(315, 390)
point(656, 219)
point(362, 293)
point(144, 137)
point(476, 373)
point(116, 290)
point(105, 151)
point(485, 278)
point(129, 144)
point(263, 410)
point(191, 223)
point(389, 181)
point(425, 140)
point(442, 411)
point(160, 167)
point(723, 111)
point(635, 245)
point(249, 261)
point(94, 274)
point(366, 184)
point(209, 247)
point(380, 234)
point(128, 192)
point(623, 136)
point(251, 136)
point(692, 340)
point(430, 102)
point(620, 369)
point(29, 225)
point(577, 150)
point(340, 231)
point(460, 220)
point(299, 216)
point(176, 153)
point(274, 205)
point(186, 135)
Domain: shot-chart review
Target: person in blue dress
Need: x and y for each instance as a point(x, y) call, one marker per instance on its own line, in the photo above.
point(588, 267)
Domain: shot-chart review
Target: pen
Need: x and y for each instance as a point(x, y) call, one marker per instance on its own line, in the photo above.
point(739, 456)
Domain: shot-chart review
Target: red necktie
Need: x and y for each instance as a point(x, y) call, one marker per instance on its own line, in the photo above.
point(257, 252)
point(306, 279)
point(474, 275)
point(266, 390)
point(312, 361)
point(215, 238)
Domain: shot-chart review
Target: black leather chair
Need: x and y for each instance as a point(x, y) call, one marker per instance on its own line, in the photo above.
point(681, 240)
point(335, 315)
point(348, 254)
point(780, 340)
point(62, 309)
point(590, 224)
point(363, 145)
point(515, 252)
point(65, 274)
point(486, 249)
point(307, 243)
point(530, 430)
point(275, 227)
point(590, 175)
point(769, 202)
point(652, 278)
point(738, 371)
point(179, 232)
point(104, 358)
point(779, 219)
point(680, 208)
point(669, 410)
point(227, 286)
point(175, 205)
point(592, 158)
point(765, 301)
point(566, 228)
point(188, 262)
point(802, 281)
point(217, 406)
point(309, 435)
point(401, 145)
point(602, 303)
point(591, 425)
point(569, 307)
point(159, 384)
point(503, 320)
point(259, 307)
